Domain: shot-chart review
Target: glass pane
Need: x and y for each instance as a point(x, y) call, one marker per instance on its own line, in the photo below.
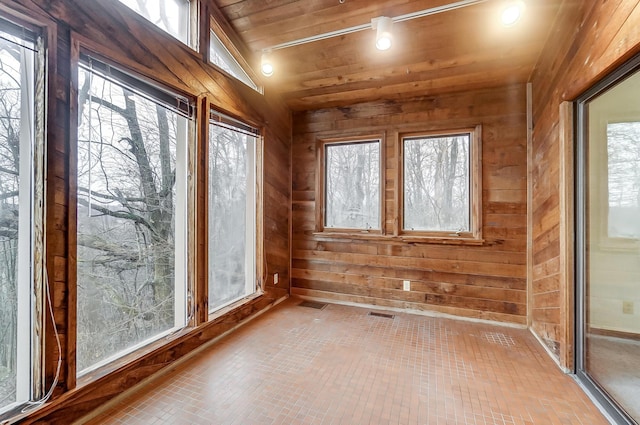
point(170, 15)
point(232, 216)
point(126, 259)
point(623, 151)
point(352, 185)
point(612, 322)
point(16, 139)
point(222, 58)
point(436, 183)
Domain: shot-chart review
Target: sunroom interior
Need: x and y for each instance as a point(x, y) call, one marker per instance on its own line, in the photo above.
point(415, 159)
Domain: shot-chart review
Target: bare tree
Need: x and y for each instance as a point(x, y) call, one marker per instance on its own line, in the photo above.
point(10, 120)
point(126, 189)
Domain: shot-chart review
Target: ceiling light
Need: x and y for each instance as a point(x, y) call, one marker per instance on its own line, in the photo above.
point(384, 35)
point(512, 12)
point(266, 66)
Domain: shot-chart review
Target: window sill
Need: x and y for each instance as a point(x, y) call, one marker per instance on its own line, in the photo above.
point(441, 240)
point(412, 239)
point(364, 235)
point(619, 244)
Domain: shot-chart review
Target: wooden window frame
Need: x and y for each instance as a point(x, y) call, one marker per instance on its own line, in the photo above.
point(221, 33)
point(321, 145)
point(141, 83)
point(31, 300)
point(214, 114)
point(474, 235)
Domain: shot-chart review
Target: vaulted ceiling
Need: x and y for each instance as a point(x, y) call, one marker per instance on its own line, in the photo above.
point(456, 50)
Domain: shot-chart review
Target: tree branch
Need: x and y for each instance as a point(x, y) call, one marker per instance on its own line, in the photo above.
point(118, 214)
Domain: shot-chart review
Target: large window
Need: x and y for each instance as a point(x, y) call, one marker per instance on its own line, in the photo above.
point(172, 16)
point(131, 225)
point(233, 149)
point(440, 175)
point(351, 185)
point(18, 162)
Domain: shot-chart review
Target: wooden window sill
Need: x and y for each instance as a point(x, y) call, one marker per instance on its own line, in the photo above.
point(413, 239)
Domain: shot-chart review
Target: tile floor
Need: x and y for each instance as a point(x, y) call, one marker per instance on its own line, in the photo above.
point(339, 365)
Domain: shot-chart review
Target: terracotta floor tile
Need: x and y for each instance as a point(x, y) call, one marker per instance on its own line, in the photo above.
point(339, 365)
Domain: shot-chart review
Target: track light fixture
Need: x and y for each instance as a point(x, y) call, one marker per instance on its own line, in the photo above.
point(384, 36)
point(512, 11)
point(266, 66)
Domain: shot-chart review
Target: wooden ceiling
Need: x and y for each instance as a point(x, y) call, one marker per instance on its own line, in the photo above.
point(457, 50)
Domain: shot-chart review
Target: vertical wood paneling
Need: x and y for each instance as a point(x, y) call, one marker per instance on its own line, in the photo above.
point(588, 40)
point(455, 279)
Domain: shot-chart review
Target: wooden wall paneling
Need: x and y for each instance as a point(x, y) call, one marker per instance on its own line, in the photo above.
point(68, 70)
point(587, 41)
point(529, 201)
point(487, 281)
point(201, 229)
point(112, 30)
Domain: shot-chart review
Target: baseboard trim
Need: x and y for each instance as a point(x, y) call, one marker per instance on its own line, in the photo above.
point(428, 313)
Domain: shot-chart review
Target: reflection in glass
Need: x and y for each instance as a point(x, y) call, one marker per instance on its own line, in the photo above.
point(612, 292)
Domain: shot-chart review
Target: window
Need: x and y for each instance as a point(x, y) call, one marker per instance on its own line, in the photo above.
point(351, 185)
point(441, 184)
point(131, 214)
point(233, 149)
point(623, 153)
point(20, 103)
point(172, 16)
point(223, 59)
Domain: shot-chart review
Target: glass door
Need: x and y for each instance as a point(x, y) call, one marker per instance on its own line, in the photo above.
point(608, 243)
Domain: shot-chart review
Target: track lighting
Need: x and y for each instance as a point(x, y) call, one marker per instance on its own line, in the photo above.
point(384, 36)
point(266, 66)
point(512, 12)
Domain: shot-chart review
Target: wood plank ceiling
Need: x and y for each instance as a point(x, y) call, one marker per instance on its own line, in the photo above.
point(457, 50)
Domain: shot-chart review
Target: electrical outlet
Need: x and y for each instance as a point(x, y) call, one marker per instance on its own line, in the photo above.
point(627, 307)
point(406, 285)
point(275, 278)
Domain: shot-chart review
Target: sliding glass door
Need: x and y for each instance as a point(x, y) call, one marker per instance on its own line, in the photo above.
point(608, 236)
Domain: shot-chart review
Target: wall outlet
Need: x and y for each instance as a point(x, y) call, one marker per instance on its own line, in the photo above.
point(406, 285)
point(627, 307)
point(275, 278)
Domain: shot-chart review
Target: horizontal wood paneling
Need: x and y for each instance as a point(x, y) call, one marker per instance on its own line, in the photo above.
point(487, 281)
point(588, 39)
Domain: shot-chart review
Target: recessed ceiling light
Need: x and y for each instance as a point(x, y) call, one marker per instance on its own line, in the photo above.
point(266, 66)
point(512, 12)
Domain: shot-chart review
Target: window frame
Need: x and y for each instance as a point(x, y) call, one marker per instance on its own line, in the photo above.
point(474, 235)
point(42, 34)
point(320, 206)
point(123, 75)
point(215, 29)
point(192, 32)
point(244, 126)
point(607, 242)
